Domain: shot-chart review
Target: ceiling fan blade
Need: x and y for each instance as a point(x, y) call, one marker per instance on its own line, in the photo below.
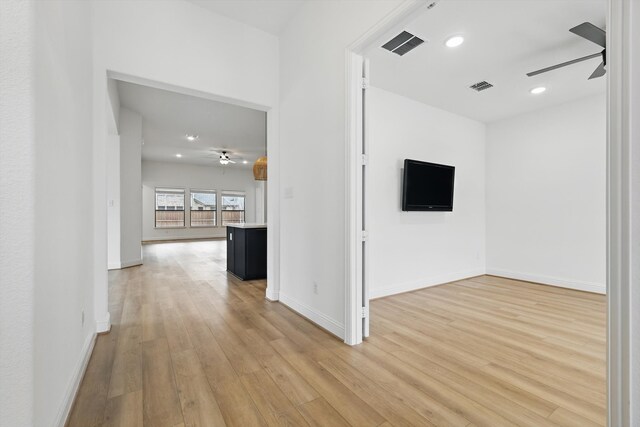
point(230, 161)
point(590, 32)
point(599, 72)
point(564, 64)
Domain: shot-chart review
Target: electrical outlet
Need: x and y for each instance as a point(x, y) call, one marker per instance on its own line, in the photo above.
point(315, 288)
point(82, 317)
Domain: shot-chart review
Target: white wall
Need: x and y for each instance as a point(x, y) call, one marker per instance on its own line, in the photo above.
point(113, 106)
point(63, 194)
point(184, 46)
point(312, 146)
point(130, 187)
point(412, 250)
point(546, 195)
point(188, 46)
point(165, 174)
point(17, 234)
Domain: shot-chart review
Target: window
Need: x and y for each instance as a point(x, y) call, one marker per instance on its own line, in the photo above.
point(169, 207)
point(203, 208)
point(232, 211)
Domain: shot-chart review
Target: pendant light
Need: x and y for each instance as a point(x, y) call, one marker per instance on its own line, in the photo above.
point(260, 169)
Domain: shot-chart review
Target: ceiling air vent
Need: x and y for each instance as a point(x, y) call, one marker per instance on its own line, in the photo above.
point(480, 86)
point(403, 43)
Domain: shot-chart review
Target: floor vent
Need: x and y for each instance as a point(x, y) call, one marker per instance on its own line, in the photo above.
point(480, 86)
point(402, 43)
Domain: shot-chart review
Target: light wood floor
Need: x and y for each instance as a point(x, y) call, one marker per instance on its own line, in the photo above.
point(193, 347)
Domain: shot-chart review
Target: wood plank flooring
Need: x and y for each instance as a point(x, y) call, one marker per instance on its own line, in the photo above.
point(191, 346)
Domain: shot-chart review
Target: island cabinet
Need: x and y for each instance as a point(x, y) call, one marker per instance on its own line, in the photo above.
point(247, 251)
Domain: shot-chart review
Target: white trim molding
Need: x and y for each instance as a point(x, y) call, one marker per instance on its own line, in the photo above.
point(131, 263)
point(273, 205)
point(125, 264)
point(316, 317)
point(272, 295)
point(621, 51)
point(598, 288)
point(103, 325)
point(353, 293)
point(353, 123)
point(74, 385)
point(424, 283)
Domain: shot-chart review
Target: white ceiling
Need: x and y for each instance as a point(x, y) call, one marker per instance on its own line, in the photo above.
point(268, 15)
point(503, 41)
point(169, 116)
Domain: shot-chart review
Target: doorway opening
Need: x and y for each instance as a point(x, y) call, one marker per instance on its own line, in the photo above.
point(186, 166)
point(435, 77)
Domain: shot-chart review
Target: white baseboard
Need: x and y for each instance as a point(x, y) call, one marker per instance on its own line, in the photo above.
point(272, 295)
point(423, 283)
point(74, 385)
point(598, 288)
point(316, 317)
point(131, 263)
point(124, 264)
point(104, 325)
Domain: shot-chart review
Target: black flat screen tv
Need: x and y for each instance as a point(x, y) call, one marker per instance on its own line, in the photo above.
point(427, 186)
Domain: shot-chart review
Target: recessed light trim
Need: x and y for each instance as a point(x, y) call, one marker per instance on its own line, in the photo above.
point(538, 90)
point(178, 155)
point(454, 41)
point(192, 138)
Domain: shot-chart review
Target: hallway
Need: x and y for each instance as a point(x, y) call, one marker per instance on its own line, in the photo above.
point(191, 346)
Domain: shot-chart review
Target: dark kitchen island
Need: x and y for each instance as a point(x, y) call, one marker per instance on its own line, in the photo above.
point(247, 251)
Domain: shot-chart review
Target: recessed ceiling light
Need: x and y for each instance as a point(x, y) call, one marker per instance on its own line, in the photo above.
point(192, 137)
point(538, 90)
point(178, 155)
point(245, 162)
point(454, 41)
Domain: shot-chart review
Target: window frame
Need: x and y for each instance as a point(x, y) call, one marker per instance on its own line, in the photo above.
point(235, 193)
point(215, 210)
point(156, 210)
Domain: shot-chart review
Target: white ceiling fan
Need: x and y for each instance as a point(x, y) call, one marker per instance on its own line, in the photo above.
point(223, 157)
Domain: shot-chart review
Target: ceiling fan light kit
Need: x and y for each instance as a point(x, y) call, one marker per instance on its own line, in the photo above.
point(225, 159)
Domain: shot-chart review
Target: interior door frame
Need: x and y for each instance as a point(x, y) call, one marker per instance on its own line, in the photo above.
point(619, 213)
point(355, 286)
point(619, 179)
point(356, 282)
